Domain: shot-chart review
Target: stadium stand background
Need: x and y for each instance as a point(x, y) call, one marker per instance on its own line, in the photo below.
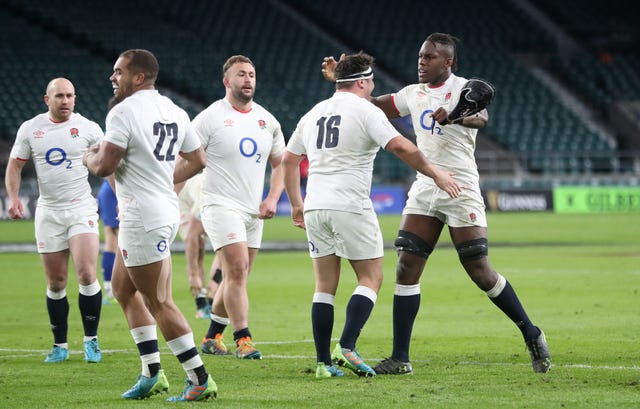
point(568, 77)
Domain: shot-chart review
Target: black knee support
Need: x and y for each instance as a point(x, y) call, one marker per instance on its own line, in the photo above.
point(473, 249)
point(217, 276)
point(412, 244)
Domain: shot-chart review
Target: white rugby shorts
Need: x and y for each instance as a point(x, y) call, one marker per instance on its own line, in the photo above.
point(466, 210)
point(348, 235)
point(226, 226)
point(54, 227)
point(140, 247)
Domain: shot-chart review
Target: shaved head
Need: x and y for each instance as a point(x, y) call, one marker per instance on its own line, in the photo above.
point(60, 97)
point(59, 83)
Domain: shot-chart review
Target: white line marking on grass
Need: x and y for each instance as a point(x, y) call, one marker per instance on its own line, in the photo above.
point(289, 356)
point(44, 352)
point(553, 365)
point(634, 367)
point(304, 341)
point(24, 353)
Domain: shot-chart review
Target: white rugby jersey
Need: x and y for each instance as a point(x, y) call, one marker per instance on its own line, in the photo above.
point(450, 147)
point(153, 130)
point(238, 146)
point(57, 149)
point(341, 136)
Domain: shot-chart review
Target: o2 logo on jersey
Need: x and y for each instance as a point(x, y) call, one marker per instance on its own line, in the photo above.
point(56, 157)
point(424, 117)
point(162, 131)
point(249, 148)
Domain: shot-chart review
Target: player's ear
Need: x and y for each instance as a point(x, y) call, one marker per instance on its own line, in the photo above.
point(139, 78)
point(448, 62)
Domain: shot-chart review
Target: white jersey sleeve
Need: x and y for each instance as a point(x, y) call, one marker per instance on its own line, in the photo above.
point(191, 140)
point(400, 101)
point(117, 130)
point(21, 149)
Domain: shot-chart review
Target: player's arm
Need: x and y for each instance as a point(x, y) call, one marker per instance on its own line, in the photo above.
point(102, 160)
point(12, 180)
point(384, 102)
point(291, 168)
point(188, 164)
point(476, 121)
point(269, 205)
point(411, 155)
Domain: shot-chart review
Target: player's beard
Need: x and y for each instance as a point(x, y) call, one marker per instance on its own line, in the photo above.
point(242, 97)
point(123, 91)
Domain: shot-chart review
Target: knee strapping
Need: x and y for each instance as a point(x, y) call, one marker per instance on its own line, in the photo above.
point(217, 276)
point(323, 298)
point(473, 249)
point(501, 283)
point(89, 290)
point(56, 295)
point(412, 244)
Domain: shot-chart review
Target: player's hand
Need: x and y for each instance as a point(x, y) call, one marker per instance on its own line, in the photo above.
point(195, 290)
point(440, 116)
point(267, 209)
point(195, 282)
point(297, 215)
point(91, 151)
point(16, 211)
point(445, 181)
point(329, 66)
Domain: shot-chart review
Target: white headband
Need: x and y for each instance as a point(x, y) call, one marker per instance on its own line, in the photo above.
point(366, 74)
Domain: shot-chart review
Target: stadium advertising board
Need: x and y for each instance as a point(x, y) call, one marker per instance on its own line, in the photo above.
point(391, 200)
point(518, 200)
point(386, 200)
point(584, 199)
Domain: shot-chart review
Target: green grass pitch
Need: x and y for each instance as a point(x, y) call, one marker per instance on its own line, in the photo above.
point(578, 277)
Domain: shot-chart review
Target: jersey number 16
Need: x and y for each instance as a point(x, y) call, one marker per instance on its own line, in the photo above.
point(328, 131)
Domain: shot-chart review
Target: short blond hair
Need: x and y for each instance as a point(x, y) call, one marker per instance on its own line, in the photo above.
point(233, 60)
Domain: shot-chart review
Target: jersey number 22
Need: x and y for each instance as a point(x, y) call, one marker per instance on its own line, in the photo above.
point(162, 131)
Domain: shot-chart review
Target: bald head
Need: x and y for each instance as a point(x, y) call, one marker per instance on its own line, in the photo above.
point(57, 83)
point(60, 97)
